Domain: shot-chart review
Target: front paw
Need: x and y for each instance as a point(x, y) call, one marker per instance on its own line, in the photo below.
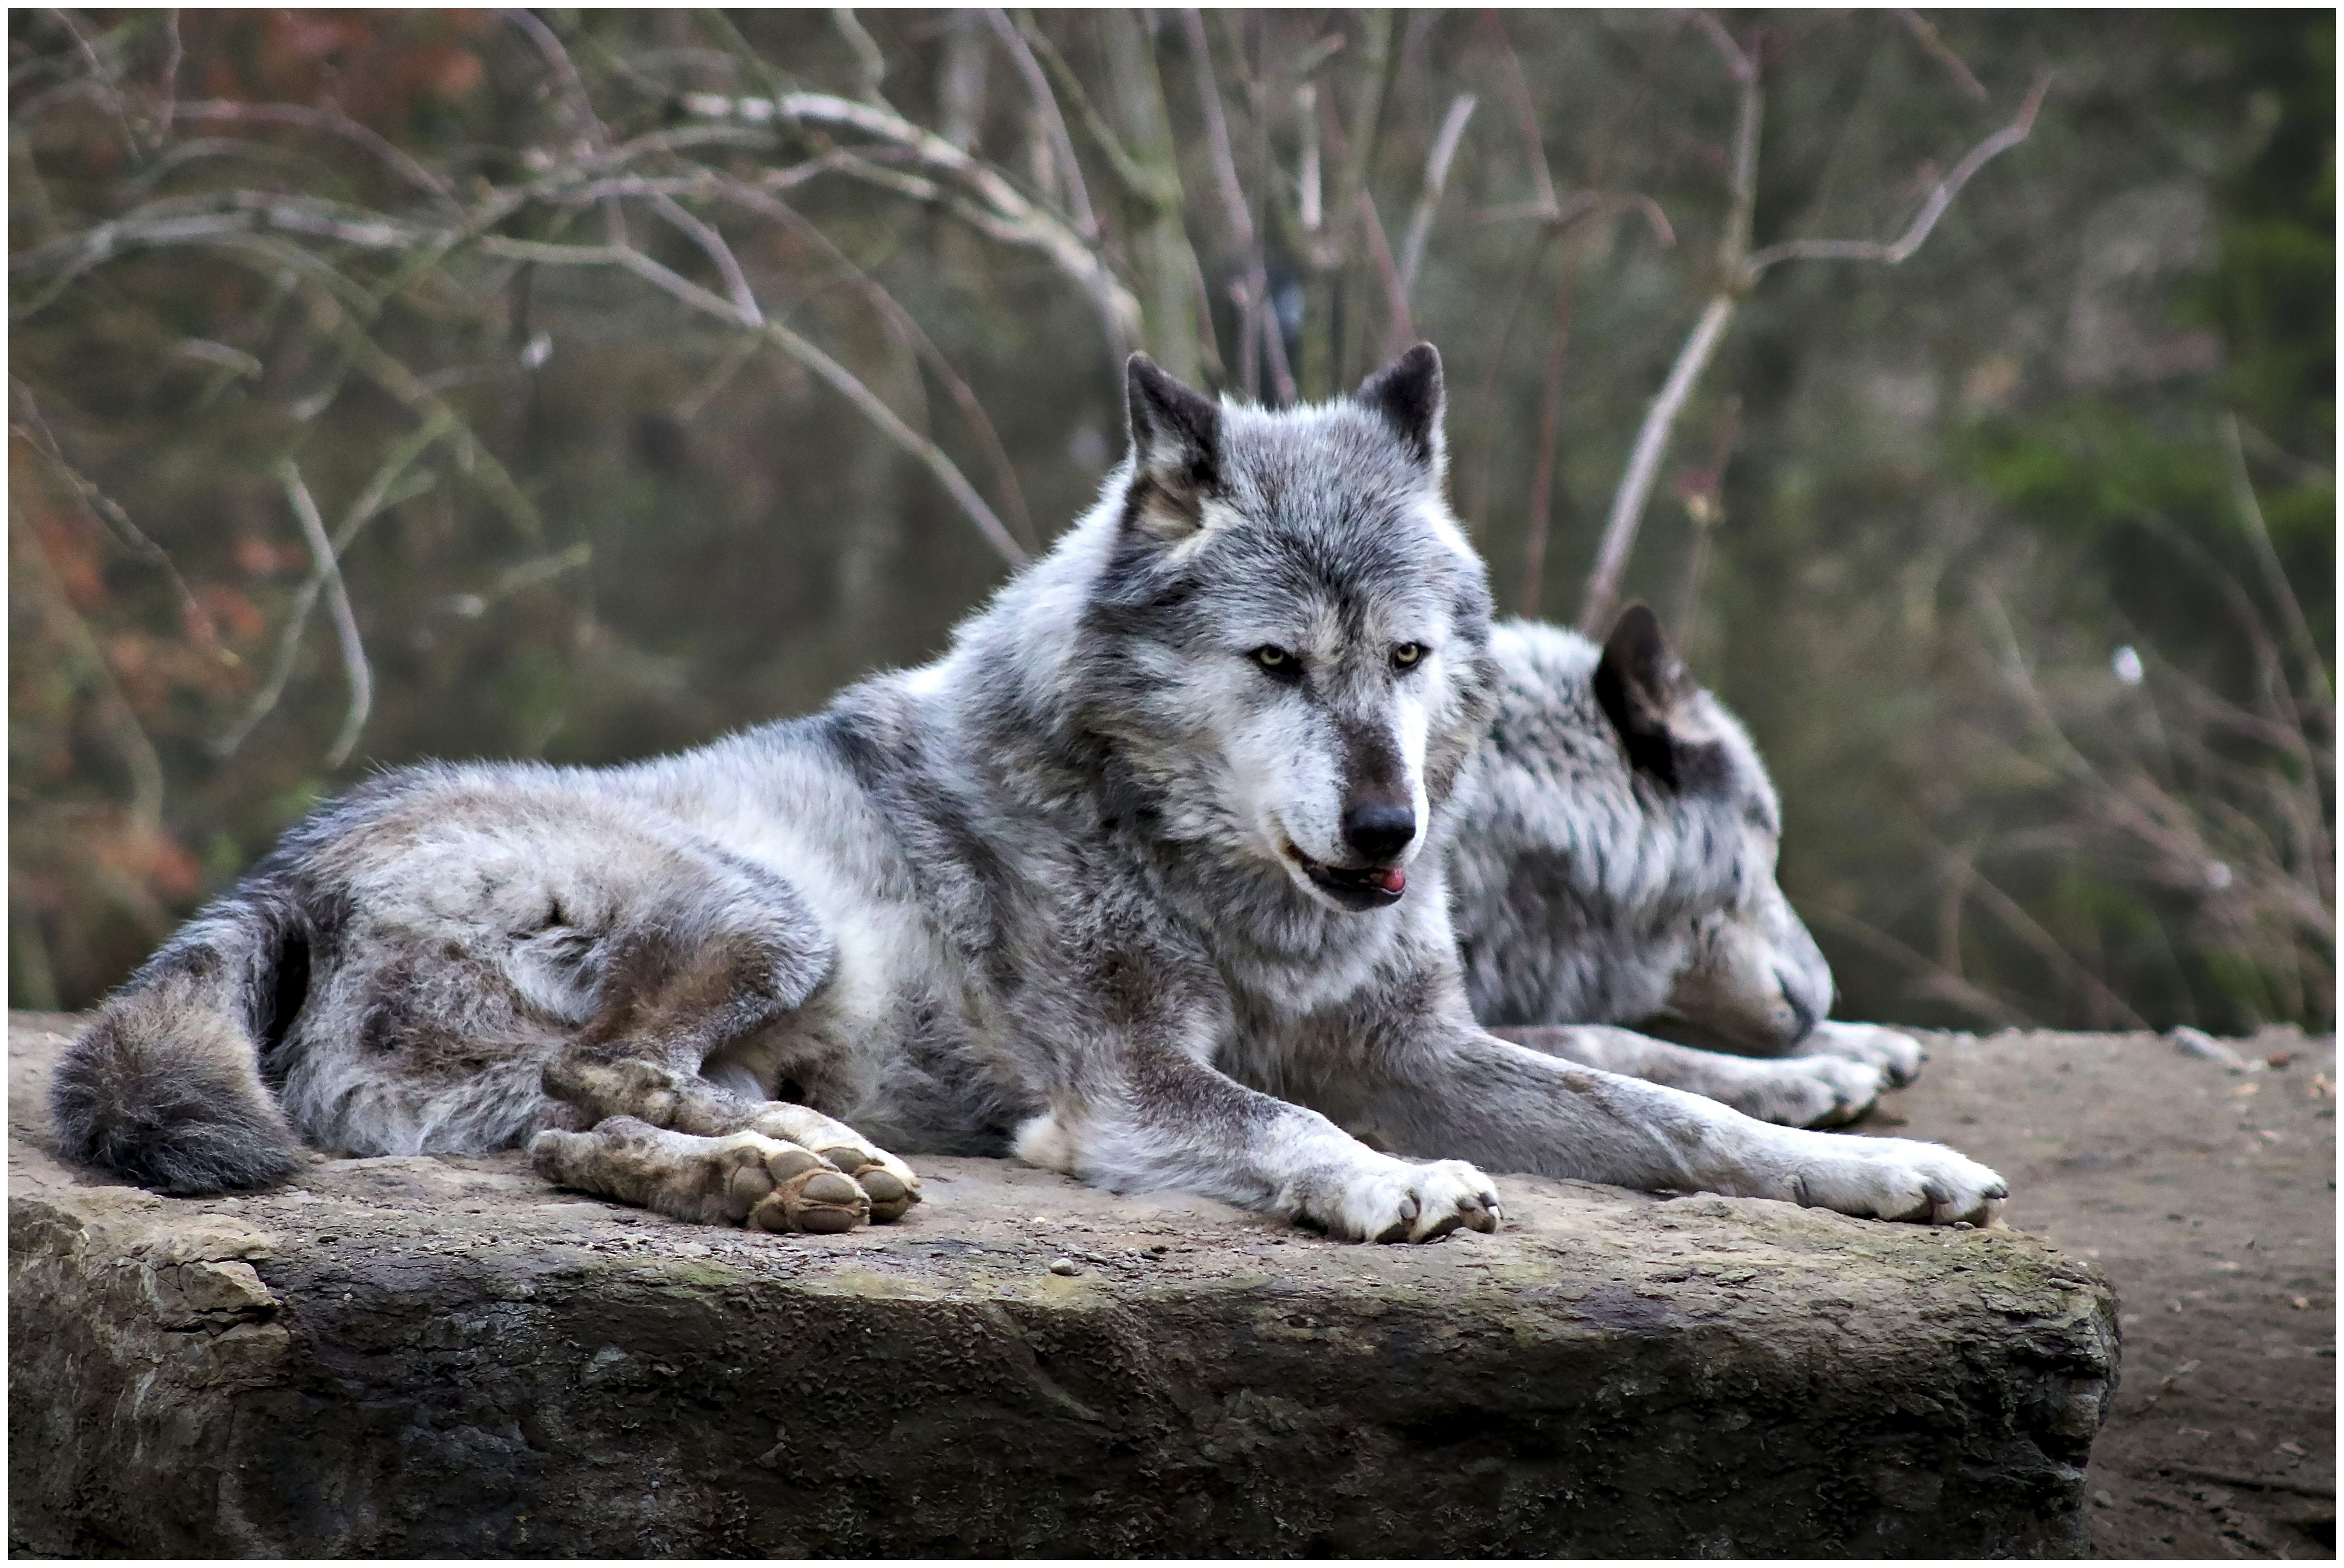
point(1396, 1200)
point(1899, 1178)
point(1822, 1091)
point(1897, 1056)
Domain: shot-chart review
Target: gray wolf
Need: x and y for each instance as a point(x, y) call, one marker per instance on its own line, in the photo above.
point(1614, 862)
point(1141, 880)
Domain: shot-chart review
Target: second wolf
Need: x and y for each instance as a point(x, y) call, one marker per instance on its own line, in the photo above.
point(1614, 862)
point(1143, 879)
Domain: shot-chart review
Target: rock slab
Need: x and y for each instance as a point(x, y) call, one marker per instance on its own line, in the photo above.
point(427, 1357)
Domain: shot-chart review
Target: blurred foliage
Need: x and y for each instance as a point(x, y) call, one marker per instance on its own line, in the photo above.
point(637, 406)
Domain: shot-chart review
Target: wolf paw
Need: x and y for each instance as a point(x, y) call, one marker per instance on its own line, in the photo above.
point(1821, 1091)
point(1897, 1056)
point(1400, 1201)
point(1897, 1178)
point(782, 1187)
point(742, 1178)
point(885, 1180)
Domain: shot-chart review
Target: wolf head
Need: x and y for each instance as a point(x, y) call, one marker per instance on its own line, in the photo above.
point(1286, 639)
point(1615, 860)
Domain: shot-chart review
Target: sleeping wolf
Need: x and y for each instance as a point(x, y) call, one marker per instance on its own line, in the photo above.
point(1613, 861)
point(1141, 879)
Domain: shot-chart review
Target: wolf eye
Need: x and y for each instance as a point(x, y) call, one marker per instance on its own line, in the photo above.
point(1407, 654)
point(1278, 661)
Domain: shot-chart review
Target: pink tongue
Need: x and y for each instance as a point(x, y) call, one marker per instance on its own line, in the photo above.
point(1391, 881)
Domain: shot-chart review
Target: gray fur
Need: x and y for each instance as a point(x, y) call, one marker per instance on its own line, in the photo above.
point(1589, 887)
point(1089, 887)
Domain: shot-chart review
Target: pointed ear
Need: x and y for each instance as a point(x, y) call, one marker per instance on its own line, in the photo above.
point(1176, 440)
point(1408, 393)
point(1637, 682)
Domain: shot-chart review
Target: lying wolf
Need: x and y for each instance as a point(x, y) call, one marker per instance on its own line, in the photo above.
point(1142, 879)
point(1613, 861)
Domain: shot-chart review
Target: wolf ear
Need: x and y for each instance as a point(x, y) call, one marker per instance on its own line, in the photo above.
point(1408, 393)
point(1175, 441)
point(1637, 683)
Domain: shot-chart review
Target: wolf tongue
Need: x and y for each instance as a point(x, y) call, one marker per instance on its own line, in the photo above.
point(1391, 881)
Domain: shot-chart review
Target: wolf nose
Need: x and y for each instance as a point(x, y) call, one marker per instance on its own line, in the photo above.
point(1379, 829)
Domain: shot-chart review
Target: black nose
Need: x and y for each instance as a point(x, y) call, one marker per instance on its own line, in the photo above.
point(1379, 829)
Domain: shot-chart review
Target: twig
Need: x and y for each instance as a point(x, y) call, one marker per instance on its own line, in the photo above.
point(2250, 512)
point(1436, 180)
point(1253, 301)
point(868, 57)
point(1740, 271)
point(1940, 197)
point(1926, 31)
point(337, 601)
point(130, 742)
point(736, 282)
point(370, 501)
point(330, 121)
point(109, 512)
point(1549, 435)
point(841, 379)
point(1644, 463)
point(1136, 178)
point(1053, 123)
point(908, 330)
point(1403, 329)
point(1518, 88)
point(1004, 213)
point(1932, 979)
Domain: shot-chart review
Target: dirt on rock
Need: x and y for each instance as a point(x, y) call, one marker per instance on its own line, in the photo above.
point(2207, 1194)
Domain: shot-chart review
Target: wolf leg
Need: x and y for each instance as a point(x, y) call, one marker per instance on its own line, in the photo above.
point(1172, 1121)
point(1499, 1104)
point(683, 987)
point(1897, 1056)
point(742, 1178)
point(1794, 1091)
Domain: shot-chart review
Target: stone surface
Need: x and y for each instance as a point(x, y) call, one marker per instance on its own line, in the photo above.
point(418, 1357)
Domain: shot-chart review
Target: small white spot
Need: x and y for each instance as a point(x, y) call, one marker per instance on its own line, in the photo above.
point(2218, 876)
point(2127, 666)
point(538, 350)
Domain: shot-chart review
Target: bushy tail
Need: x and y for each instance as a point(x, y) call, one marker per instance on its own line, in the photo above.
point(164, 1088)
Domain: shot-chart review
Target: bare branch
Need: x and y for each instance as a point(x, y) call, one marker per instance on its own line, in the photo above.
point(2250, 514)
point(1894, 251)
point(907, 330)
point(1045, 104)
point(330, 121)
point(1006, 214)
point(736, 282)
point(370, 501)
point(1644, 463)
point(129, 737)
point(873, 63)
point(1445, 143)
point(1518, 88)
point(1403, 327)
point(337, 601)
point(1926, 31)
point(841, 380)
point(1254, 299)
point(1136, 179)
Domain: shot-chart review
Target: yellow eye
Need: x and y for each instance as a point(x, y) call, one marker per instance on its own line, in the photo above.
point(1405, 656)
point(1273, 658)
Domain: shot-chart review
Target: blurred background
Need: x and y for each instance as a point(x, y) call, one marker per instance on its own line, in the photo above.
point(576, 385)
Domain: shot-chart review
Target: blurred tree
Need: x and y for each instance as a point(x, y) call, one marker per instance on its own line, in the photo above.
point(578, 384)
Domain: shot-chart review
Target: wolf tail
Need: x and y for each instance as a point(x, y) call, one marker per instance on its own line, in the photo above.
point(165, 1087)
